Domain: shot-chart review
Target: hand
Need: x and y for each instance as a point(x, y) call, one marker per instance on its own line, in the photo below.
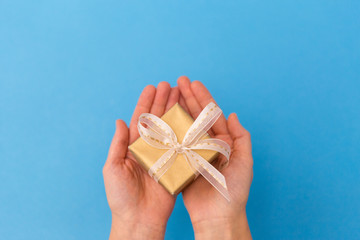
point(211, 215)
point(140, 206)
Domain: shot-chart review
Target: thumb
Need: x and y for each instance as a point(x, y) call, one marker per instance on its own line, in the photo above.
point(241, 141)
point(119, 144)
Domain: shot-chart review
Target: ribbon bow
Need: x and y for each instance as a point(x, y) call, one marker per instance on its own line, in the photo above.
point(159, 134)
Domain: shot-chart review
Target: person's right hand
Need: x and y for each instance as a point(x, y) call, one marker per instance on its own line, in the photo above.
point(139, 205)
point(211, 215)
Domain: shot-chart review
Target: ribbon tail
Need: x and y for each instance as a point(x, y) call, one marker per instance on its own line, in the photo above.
point(162, 164)
point(209, 172)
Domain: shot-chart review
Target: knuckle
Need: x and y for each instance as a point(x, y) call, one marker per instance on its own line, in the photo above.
point(247, 134)
point(251, 163)
point(123, 142)
point(104, 169)
point(249, 166)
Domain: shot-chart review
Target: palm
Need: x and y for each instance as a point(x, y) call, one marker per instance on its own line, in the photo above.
point(201, 199)
point(132, 194)
point(214, 205)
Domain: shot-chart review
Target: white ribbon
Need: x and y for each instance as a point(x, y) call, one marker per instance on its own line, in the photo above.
point(159, 134)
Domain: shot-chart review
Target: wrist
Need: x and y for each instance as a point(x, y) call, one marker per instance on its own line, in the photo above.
point(121, 229)
point(226, 228)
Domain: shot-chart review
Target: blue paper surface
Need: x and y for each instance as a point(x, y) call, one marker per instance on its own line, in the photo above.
point(289, 69)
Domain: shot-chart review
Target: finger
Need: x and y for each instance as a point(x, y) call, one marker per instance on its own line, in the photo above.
point(241, 140)
point(190, 100)
point(204, 97)
point(173, 98)
point(143, 106)
point(161, 98)
point(183, 103)
point(119, 143)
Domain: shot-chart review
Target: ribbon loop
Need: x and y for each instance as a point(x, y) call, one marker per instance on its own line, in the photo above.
point(215, 145)
point(202, 124)
point(160, 135)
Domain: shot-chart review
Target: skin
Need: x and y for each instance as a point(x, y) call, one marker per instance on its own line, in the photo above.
point(141, 207)
point(211, 215)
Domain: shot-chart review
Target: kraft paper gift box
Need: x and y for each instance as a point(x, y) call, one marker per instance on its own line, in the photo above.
point(180, 174)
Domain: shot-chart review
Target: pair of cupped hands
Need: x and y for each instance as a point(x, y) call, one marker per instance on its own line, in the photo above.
point(141, 207)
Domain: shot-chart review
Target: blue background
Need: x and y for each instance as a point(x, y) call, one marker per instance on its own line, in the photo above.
point(290, 69)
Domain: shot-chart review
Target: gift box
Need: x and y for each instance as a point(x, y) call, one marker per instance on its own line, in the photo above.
point(179, 174)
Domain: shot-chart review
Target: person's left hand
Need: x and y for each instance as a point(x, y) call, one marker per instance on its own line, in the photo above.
point(139, 205)
point(211, 215)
